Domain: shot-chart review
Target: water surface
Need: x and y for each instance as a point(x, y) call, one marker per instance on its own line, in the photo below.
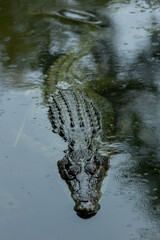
point(34, 201)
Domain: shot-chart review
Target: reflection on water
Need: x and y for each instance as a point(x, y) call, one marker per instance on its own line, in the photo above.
point(126, 54)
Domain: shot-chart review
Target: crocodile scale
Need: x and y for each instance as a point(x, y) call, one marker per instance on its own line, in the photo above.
point(74, 118)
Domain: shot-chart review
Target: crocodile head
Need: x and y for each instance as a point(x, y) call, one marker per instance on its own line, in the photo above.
point(84, 171)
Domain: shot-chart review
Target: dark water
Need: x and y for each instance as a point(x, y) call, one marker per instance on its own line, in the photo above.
point(35, 203)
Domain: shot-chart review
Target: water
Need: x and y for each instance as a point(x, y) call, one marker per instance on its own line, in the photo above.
point(34, 202)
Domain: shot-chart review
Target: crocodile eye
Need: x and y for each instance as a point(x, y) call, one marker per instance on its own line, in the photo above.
point(71, 170)
point(91, 168)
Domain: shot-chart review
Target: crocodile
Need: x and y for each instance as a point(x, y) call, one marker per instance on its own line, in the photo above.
point(84, 119)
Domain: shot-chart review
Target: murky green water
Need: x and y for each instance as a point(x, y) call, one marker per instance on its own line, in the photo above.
point(35, 203)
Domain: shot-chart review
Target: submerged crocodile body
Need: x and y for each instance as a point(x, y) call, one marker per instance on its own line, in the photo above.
point(82, 118)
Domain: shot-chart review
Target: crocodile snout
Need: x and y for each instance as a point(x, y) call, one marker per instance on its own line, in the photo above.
point(86, 209)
